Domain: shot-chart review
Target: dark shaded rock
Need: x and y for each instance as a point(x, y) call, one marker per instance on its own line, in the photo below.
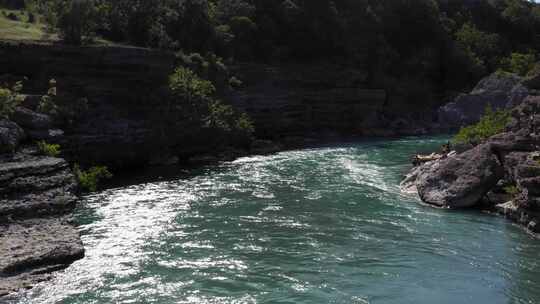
point(31, 101)
point(265, 147)
point(48, 135)
point(506, 142)
point(11, 135)
point(497, 90)
point(29, 119)
point(526, 117)
point(298, 100)
point(461, 180)
point(494, 198)
point(512, 162)
point(532, 81)
point(122, 86)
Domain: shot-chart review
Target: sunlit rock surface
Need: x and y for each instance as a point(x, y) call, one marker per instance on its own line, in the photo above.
point(36, 236)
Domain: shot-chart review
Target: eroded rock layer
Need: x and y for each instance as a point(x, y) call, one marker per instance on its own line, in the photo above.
point(37, 194)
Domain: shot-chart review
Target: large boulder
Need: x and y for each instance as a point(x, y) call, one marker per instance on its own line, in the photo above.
point(11, 135)
point(460, 181)
point(498, 90)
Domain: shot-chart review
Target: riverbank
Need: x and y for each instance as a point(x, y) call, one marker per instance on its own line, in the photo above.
point(37, 235)
point(304, 226)
point(502, 173)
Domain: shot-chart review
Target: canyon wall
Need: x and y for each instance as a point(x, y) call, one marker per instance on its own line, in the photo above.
point(126, 91)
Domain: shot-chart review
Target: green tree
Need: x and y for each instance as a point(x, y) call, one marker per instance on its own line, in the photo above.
point(481, 44)
point(77, 20)
point(189, 88)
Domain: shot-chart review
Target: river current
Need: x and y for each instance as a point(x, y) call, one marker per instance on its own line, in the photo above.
point(320, 225)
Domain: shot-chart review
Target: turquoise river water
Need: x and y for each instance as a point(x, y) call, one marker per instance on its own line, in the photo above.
point(321, 225)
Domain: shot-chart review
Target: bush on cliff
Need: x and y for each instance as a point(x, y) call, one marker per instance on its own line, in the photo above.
point(195, 98)
point(237, 126)
point(52, 150)
point(492, 123)
point(89, 179)
point(190, 89)
point(9, 99)
point(47, 104)
point(519, 63)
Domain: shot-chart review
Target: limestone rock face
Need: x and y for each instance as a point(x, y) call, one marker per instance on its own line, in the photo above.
point(460, 181)
point(31, 249)
point(301, 100)
point(37, 193)
point(482, 175)
point(122, 86)
point(498, 90)
point(11, 135)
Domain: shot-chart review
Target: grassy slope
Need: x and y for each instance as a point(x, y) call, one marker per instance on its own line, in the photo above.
point(21, 29)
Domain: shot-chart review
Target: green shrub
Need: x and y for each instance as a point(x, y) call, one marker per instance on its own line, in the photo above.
point(89, 180)
point(47, 104)
point(493, 122)
point(51, 150)
point(223, 117)
point(511, 190)
point(9, 99)
point(189, 87)
point(519, 63)
point(245, 125)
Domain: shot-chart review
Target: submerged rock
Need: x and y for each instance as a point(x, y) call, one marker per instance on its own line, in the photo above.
point(459, 181)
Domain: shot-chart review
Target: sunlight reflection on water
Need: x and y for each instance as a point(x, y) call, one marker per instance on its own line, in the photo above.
point(325, 225)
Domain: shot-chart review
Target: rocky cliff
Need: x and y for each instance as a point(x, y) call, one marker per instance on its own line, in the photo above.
point(125, 90)
point(300, 100)
point(120, 85)
point(37, 194)
point(499, 91)
point(502, 173)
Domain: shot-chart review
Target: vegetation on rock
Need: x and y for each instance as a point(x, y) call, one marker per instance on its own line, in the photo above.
point(492, 123)
point(449, 44)
point(511, 190)
point(9, 99)
point(89, 179)
point(195, 98)
point(518, 63)
point(52, 150)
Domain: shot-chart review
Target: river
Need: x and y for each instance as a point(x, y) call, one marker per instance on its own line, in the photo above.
point(320, 225)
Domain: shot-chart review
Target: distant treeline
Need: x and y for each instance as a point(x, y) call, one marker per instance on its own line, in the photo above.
point(450, 42)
